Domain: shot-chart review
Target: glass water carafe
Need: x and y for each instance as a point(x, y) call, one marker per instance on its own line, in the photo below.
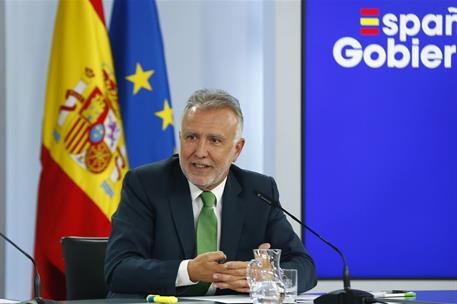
point(264, 277)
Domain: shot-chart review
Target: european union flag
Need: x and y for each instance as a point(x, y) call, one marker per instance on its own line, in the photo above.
point(144, 97)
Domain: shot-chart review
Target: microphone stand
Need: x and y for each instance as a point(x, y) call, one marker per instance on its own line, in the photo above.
point(342, 296)
point(36, 277)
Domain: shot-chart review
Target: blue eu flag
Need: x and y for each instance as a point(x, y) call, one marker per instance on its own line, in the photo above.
point(144, 97)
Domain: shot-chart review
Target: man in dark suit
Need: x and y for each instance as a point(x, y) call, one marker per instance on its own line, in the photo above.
point(159, 238)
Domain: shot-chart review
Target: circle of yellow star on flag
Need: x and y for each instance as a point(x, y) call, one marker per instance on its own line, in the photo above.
point(166, 114)
point(140, 79)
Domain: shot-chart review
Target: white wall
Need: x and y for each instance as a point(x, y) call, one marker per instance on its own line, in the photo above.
point(287, 143)
point(2, 144)
point(28, 28)
point(250, 48)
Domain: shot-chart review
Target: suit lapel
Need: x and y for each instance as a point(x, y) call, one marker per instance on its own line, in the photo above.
point(233, 215)
point(181, 209)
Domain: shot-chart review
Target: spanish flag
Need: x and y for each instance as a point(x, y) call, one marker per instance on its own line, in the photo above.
point(83, 154)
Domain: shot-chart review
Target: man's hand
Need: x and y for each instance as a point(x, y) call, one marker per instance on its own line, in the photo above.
point(264, 246)
point(203, 266)
point(234, 275)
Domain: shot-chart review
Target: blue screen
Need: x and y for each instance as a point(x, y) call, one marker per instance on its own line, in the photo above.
point(380, 136)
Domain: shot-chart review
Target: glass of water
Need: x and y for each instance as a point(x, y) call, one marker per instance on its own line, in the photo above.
point(289, 278)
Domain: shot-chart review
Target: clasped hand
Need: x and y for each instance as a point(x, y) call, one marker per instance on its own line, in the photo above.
point(229, 275)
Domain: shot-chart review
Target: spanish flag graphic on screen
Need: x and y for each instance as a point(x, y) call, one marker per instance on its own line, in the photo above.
point(83, 154)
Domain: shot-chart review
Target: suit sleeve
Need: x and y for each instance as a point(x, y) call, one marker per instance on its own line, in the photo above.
point(293, 254)
point(129, 267)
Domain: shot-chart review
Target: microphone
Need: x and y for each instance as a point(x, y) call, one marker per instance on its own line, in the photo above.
point(342, 296)
point(36, 277)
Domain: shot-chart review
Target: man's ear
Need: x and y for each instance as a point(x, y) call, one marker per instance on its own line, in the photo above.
point(238, 148)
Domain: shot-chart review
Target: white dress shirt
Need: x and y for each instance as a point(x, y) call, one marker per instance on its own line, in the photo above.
point(182, 278)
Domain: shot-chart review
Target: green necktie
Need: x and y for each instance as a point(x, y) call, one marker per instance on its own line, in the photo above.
point(206, 237)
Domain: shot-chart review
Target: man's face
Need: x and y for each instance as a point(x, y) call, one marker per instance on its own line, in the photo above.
point(207, 146)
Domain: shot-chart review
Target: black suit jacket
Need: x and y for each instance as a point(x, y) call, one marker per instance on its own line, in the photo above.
point(153, 229)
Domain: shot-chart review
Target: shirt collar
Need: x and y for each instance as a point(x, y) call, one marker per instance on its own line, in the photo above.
point(218, 191)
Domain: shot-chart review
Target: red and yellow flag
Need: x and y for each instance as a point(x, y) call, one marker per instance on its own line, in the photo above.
point(83, 153)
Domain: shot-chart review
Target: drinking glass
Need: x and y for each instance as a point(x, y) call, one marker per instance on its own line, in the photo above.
point(289, 278)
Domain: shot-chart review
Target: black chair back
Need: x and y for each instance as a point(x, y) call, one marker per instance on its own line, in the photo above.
point(84, 259)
